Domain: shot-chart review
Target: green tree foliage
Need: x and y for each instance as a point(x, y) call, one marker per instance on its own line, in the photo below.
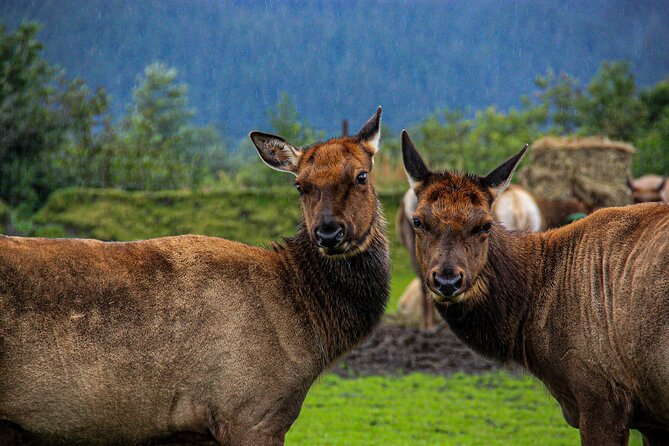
point(562, 97)
point(609, 105)
point(159, 147)
point(285, 122)
point(452, 141)
point(653, 138)
point(613, 107)
point(40, 110)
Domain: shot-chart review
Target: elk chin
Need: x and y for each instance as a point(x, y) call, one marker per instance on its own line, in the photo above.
point(457, 297)
point(342, 250)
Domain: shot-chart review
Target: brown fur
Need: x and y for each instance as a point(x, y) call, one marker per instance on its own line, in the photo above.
point(585, 308)
point(186, 339)
point(555, 212)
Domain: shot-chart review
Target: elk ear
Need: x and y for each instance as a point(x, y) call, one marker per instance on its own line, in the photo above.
point(414, 166)
point(370, 133)
point(662, 184)
point(276, 152)
point(500, 177)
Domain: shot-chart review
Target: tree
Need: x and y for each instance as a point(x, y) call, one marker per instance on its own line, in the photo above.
point(562, 99)
point(613, 107)
point(40, 112)
point(159, 147)
point(286, 123)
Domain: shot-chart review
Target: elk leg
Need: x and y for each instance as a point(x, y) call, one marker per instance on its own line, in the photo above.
point(604, 422)
point(427, 310)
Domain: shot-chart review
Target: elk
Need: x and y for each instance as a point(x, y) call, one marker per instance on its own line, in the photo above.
point(649, 188)
point(515, 208)
point(585, 308)
point(191, 338)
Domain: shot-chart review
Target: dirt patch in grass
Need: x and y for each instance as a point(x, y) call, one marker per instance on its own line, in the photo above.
point(395, 349)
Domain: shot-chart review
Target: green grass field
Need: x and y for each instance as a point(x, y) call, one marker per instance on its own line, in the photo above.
point(494, 409)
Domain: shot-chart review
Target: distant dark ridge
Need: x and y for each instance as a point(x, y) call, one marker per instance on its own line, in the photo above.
point(341, 59)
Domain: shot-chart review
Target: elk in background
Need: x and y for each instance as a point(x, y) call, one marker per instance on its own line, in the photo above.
point(585, 307)
point(516, 209)
point(194, 339)
point(649, 188)
point(557, 213)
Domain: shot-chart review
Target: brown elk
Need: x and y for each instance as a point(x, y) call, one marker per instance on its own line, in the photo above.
point(649, 188)
point(515, 208)
point(585, 308)
point(194, 339)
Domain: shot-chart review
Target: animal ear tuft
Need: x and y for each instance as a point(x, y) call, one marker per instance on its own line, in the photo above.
point(370, 133)
point(500, 177)
point(276, 152)
point(414, 166)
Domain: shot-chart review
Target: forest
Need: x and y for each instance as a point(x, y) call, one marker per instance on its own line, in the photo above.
point(57, 131)
point(339, 60)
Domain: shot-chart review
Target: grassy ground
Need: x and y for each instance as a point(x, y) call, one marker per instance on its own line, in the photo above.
point(254, 217)
point(494, 409)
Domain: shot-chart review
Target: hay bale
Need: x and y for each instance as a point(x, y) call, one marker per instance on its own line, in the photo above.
point(592, 169)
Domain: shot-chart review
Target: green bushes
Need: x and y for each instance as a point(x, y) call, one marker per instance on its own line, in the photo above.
point(4, 217)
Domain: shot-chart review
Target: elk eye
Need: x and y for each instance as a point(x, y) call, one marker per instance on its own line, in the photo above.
point(361, 178)
point(298, 186)
point(417, 223)
point(485, 229)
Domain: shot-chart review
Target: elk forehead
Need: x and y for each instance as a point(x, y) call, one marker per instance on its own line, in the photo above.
point(453, 199)
point(333, 161)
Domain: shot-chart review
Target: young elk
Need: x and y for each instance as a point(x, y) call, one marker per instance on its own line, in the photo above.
point(515, 208)
point(194, 339)
point(585, 308)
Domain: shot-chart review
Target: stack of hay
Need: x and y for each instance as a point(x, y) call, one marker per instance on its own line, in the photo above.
point(593, 170)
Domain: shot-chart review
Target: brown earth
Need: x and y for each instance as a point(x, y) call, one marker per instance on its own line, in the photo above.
point(395, 349)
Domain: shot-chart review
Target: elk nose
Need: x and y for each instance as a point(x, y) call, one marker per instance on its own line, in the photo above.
point(447, 284)
point(329, 235)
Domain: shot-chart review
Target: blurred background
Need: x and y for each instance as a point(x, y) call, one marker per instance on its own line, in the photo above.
point(123, 120)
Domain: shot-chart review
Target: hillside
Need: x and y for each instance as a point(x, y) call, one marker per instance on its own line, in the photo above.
point(341, 59)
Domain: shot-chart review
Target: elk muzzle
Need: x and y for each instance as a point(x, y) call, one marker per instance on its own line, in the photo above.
point(446, 283)
point(329, 234)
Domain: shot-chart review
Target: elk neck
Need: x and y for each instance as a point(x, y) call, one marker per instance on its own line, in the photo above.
point(344, 297)
point(498, 307)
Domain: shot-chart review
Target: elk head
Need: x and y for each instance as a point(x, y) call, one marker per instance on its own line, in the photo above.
point(339, 203)
point(453, 221)
point(642, 194)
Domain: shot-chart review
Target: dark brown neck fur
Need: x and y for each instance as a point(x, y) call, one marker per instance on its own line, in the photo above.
point(344, 297)
point(492, 319)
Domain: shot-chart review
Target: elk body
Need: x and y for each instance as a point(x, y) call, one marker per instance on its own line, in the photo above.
point(649, 188)
point(193, 339)
point(585, 308)
point(515, 208)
